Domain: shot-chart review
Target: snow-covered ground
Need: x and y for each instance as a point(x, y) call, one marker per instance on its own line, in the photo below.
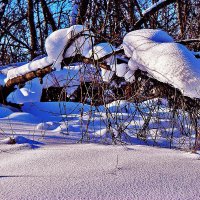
point(47, 163)
point(78, 122)
point(92, 171)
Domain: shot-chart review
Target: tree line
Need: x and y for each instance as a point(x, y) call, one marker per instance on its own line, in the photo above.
point(25, 24)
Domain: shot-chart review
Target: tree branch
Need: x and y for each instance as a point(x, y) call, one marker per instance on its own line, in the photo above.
point(154, 8)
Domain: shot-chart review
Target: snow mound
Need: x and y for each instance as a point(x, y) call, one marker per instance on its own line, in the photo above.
point(23, 117)
point(155, 52)
point(47, 126)
point(4, 112)
point(54, 111)
point(19, 143)
point(31, 92)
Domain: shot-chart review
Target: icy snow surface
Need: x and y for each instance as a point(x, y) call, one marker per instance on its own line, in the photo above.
point(154, 51)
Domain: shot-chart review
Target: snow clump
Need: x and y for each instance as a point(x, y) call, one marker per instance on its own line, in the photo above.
point(155, 52)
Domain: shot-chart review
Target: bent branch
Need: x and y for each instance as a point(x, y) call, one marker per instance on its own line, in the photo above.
point(150, 11)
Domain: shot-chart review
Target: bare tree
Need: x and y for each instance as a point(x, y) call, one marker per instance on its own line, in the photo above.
point(48, 16)
point(33, 34)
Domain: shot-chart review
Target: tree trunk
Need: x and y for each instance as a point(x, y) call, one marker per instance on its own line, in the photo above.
point(48, 16)
point(81, 17)
point(3, 4)
point(33, 34)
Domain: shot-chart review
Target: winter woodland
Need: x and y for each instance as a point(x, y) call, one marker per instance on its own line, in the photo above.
point(106, 72)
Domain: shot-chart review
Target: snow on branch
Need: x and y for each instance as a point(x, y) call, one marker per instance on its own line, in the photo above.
point(151, 51)
point(156, 53)
point(154, 8)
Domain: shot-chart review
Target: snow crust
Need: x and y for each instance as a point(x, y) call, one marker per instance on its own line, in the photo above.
point(155, 52)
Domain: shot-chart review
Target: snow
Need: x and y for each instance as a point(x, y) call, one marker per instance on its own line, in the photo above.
point(129, 76)
point(100, 50)
point(32, 66)
point(54, 111)
point(155, 52)
point(93, 171)
point(69, 78)
point(120, 69)
point(55, 45)
point(31, 92)
point(39, 154)
point(4, 69)
point(8, 140)
point(56, 42)
point(4, 111)
point(2, 77)
point(106, 75)
point(23, 117)
point(47, 163)
point(47, 126)
point(196, 53)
